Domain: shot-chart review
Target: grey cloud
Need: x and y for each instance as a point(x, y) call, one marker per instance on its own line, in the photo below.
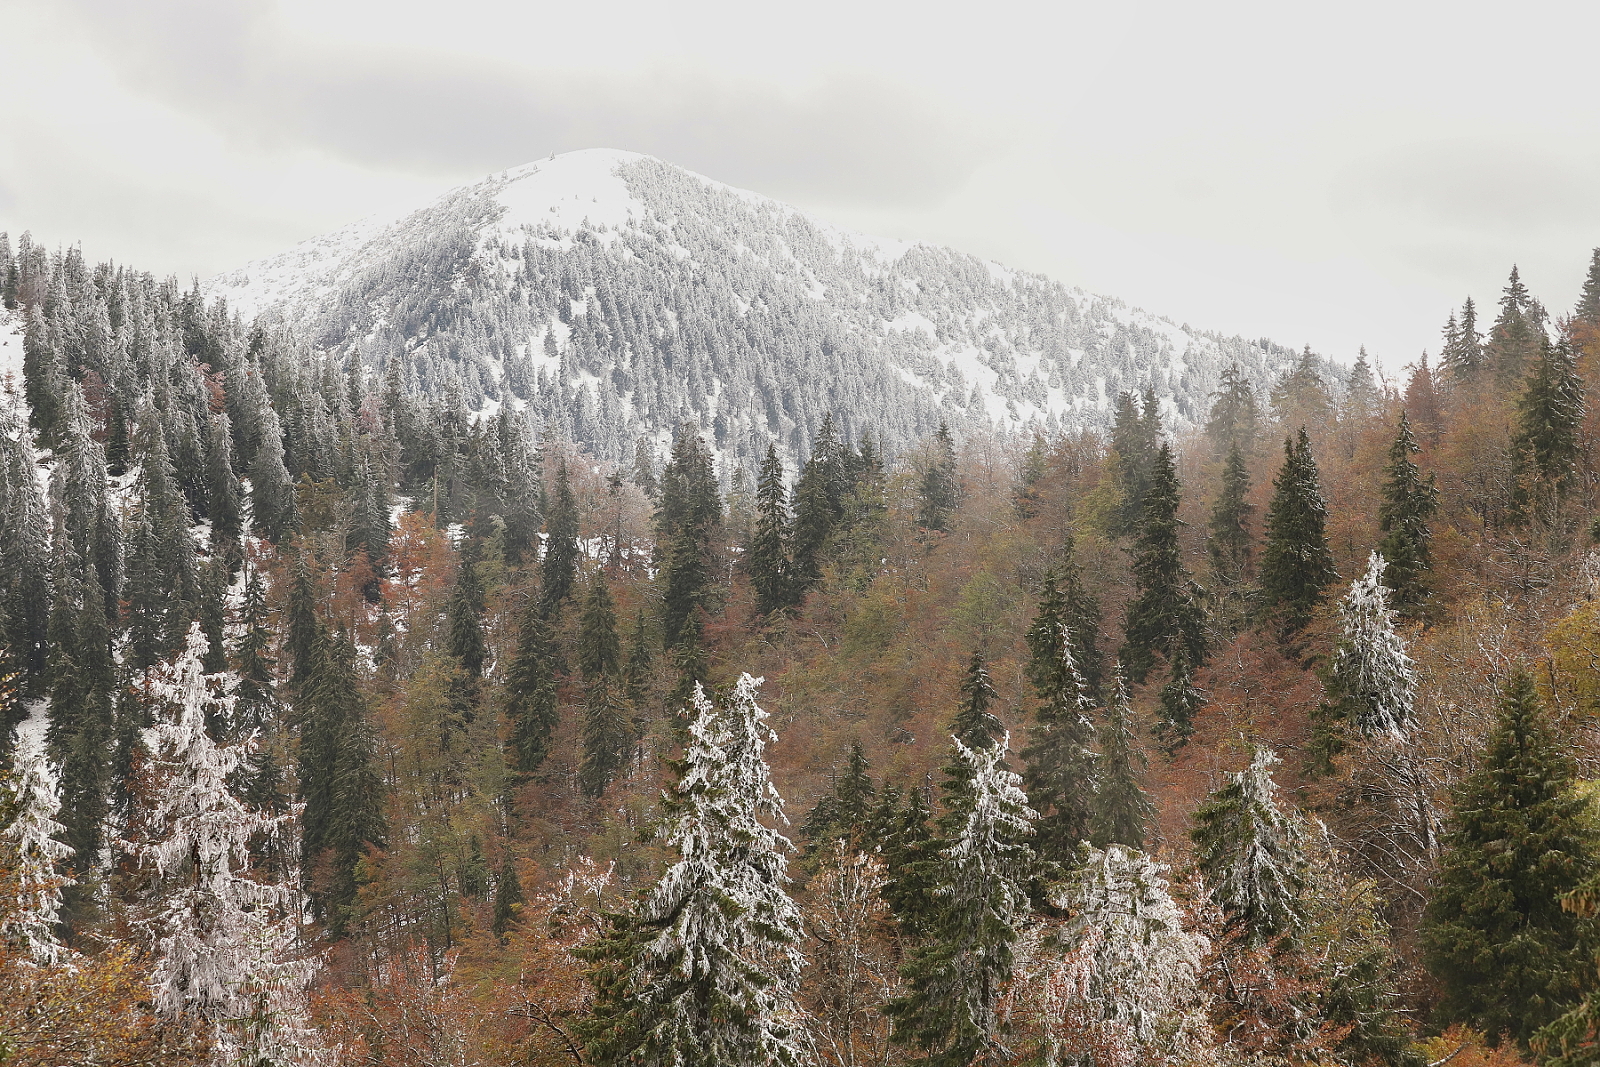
point(855, 139)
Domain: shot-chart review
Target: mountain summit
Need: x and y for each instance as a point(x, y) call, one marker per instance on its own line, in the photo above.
point(614, 295)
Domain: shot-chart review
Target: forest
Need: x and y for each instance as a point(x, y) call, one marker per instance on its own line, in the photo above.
point(349, 724)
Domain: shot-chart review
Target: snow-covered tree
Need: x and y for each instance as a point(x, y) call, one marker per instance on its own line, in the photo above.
point(32, 849)
point(957, 975)
point(1251, 853)
point(1122, 985)
point(1371, 668)
point(704, 969)
point(227, 940)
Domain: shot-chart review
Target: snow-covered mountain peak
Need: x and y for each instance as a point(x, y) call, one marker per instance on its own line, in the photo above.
point(616, 295)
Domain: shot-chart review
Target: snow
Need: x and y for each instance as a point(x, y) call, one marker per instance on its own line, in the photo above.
point(11, 329)
point(567, 191)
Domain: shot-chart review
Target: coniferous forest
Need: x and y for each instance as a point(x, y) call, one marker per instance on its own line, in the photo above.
point(347, 724)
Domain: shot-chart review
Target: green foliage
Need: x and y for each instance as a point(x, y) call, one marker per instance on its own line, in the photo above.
point(768, 558)
point(939, 492)
point(1164, 615)
point(1407, 507)
point(1122, 809)
point(531, 701)
point(1508, 958)
point(1296, 563)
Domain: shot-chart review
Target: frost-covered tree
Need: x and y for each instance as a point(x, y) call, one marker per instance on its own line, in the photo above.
point(956, 976)
point(1123, 988)
point(1371, 670)
point(1251, 853)
point(33, 851)
point(226, 938)
point(704, 968)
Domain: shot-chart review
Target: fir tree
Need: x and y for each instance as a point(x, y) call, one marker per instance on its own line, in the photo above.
point(1587, 313)
point(559, 566)
point(1135, 439)
point(1508, 958)
point(1251, 854)
point(688, 526)
point(1373, 679)
point(1300, 397)
point(846, 812)
point(818, 509)
point(32, 853)
point(599, 647)
point(704, 968)
point(1163, 615)
point(1065, 600)
point(531, 700)
point(1408, 504)
point(1229, 540)
point(1517, 333)
point(911, 858)
point(1462, 358)
point(974, 723)
point(939, 492)
point(1122, 809)
point(1296, 563)
point(508, 899)
point(1545, 447)
point(1232, 425)
point(956, 977)
point(1059, 764)
point(608, 738)
point(1180, 702)
point(769, 546)
point(1363, 396)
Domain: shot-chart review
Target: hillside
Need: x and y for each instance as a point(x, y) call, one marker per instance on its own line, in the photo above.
point(616, 295)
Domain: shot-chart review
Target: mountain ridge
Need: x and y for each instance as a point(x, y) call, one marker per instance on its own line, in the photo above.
point(614, 295)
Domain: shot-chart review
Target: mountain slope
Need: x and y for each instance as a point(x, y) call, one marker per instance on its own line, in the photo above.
point(615, 295)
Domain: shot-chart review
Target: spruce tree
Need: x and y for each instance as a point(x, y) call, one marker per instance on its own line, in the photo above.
point(688, 527)
point(1251, 854)
point(531, 701)
point(704, 967)
point(508, 899)
point(1233, 423)
point(1181, 700)
point(818, 509)
point(599, 647)
point(939, 492)
point(1587, 313)
point(1229, 542)
point(1122, 809)
point(1135, 438)
point(1065, 600)
point(955, 978)
point(608, 737)
point(974, 723)
point(1462, 358)
point(1164, 615)
point(1408, 504)
point(32, 851)
point(559, 566)
point(1517, 333)
point(1507, 956)
point(1546, 445)
point(1059, 764)
point(846, 811)
point(910, 858)
point(769, 545)
point(1296, 562)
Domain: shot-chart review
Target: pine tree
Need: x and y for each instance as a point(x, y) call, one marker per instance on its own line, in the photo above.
point(1135, 439)
point(1409, 502)
point(939, 492)
point(704, 967)
point(769, 546)
point(32, 852)
point(1059, 764)
point(1508, 958)
point(558, 568)
point(1296, 562)
point(1164, 615)
point(531, 700)
point(1122, 809)
point(955, 978)
point(1251, 854)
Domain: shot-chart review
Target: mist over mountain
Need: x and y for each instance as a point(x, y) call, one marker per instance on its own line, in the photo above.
point(614, 295)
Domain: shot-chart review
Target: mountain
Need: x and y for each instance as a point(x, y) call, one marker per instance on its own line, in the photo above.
point(615, 295)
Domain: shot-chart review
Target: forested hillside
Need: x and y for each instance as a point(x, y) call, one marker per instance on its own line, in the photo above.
point(349, 723)
point(613, 295)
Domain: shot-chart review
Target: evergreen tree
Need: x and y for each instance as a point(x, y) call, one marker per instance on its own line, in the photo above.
point(1180, 702)
point(1296, 563)
point(1233, 423)
point(911, 858)
point(599, 647)
point(704, 967)
point(1300, 397)
point(32, 852)
point(608, 737)
point(1229, 542)
point(1122, 809)
point(956, 976)
point(1517, 333)
point(1065, 600)
point(1462, 358)
point(1371, 669)
point(1164, 615)
point(1546, 446)
point(1408, 504)
point(688, 526)
point(769, 546)
point(531, 699)
point(1508, 958)
point(847, 811)
point(1059, 764)
point(974, 723)
point(939, 492)
point(1363, 396)
point(818, 508)
point(1135, 439)
point(508, 899)
point(558, 568)
point(1251, 854)
point(1587, 313)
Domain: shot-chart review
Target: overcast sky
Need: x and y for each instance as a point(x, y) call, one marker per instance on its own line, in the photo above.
point(1332, 174)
